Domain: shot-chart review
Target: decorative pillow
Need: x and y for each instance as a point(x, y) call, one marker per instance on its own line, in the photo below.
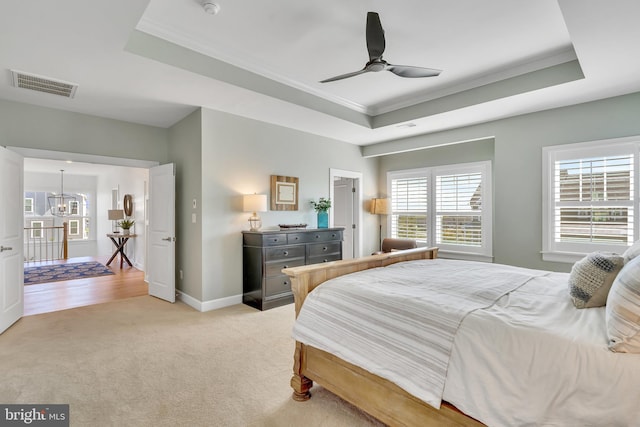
point(622, 313)
point(631, 252)
point(592, 277)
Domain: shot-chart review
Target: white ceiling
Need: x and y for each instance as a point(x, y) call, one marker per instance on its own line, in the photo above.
point(153, 62)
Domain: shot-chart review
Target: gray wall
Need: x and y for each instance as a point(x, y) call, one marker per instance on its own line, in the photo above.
point(29, 126)
point(517, 164)
point(186, 152)
point(238, 157)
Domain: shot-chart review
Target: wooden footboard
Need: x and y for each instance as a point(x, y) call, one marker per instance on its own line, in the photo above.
point(376, 396)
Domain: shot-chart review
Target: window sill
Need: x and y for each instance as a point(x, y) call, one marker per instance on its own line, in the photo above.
point(565, 257)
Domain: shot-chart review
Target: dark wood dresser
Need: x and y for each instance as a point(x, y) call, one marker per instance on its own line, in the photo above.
point(266, 253)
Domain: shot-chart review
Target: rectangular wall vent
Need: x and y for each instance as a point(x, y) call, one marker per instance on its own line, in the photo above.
point(43, 84)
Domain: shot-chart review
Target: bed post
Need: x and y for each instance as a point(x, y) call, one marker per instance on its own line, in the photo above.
point(300, 384)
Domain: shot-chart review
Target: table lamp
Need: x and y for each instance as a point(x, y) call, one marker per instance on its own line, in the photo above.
point(254, 203)
point(115, 215)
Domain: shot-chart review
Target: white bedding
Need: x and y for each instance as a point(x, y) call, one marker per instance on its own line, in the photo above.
point(529, 359)
point(534, 359)
point(399, 322)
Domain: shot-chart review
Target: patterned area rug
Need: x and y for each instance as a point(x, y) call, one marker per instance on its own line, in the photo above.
point(58, 272)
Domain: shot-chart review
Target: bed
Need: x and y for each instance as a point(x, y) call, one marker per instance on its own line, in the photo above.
point(500, 371)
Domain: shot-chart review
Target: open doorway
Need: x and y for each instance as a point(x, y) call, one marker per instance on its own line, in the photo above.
point(99, 188)
point(346, 193)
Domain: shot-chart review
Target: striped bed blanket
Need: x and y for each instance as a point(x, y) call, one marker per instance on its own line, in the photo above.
point(399, 322)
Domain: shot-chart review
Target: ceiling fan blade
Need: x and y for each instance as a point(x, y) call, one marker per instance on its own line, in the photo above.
point(375, 36)
point(412, 72)
point(344, 76)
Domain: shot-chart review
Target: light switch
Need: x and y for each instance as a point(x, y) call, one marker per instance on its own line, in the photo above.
point(193, 218)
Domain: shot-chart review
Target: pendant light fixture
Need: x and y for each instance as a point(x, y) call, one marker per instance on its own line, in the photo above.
point(60, 204)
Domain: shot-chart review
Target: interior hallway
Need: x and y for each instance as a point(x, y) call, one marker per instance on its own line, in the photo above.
point(54, 296)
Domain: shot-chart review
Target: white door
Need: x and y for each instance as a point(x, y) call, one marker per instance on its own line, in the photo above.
point(162, 226)
point(343, 193)
point(11, 231)
point(347, 205)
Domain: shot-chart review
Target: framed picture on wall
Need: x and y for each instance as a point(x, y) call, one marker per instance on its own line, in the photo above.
point(284, 193)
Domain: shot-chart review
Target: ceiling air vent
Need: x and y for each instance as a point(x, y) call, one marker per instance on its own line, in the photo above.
point(43, 84)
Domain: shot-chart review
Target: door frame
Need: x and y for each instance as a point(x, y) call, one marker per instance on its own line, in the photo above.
point(357, 206)
point(97, 159)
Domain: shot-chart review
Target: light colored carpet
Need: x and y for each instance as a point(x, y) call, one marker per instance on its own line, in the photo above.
point(145, 362)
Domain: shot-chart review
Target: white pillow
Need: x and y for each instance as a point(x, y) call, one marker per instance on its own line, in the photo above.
point(622, 312)
point(592, 277)
point(631, 252)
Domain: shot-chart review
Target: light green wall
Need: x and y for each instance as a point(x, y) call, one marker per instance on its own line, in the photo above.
point(517, 164)
point(29, 126)
point(186, 151)
point(238, 157)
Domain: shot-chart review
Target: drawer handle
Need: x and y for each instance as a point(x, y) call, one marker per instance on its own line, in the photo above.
point(326, 260)
point(285, 253)
point(324, 248)
point(333, 235)
point(296, 238)
point(317, 236)
point(285, 266)
point(274, 240)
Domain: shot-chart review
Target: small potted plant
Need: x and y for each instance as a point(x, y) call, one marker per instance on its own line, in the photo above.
point(322, 209)
point(126, 224)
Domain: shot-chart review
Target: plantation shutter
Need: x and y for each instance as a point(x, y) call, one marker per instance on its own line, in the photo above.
point(459, 209)
point(593, 200)
point(409, 208)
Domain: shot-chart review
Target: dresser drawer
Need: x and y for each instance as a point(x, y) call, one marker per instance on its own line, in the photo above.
point(324, 236)
point(274, 268)
point(324, 258)
point(277, 285)
point(316, 249)
point(284, 252)
point(293, 238)
point(274, 239)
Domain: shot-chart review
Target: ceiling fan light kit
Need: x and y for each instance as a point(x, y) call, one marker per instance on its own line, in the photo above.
point(375, 47)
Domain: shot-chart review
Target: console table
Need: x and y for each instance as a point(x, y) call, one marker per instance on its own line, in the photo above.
point(119, 240)
point(266, 253)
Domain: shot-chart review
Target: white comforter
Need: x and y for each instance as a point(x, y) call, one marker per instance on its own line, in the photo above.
point(528, 359)
point(533, 359)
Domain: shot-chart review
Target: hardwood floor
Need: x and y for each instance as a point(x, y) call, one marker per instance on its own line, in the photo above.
point(47, 297)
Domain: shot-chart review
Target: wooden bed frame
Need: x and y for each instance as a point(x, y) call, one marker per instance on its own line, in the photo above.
point(371, 393)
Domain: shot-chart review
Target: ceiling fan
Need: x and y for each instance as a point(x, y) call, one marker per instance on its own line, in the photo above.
point(375, 46)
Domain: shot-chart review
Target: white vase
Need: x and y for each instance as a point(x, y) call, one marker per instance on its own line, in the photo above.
point(125, 231)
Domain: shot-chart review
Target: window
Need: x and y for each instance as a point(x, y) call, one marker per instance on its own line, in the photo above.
point(74, 227)
point(28, 205)
point(409, 207)
point(79, 212)
point(36, 229)
point(589, 202)
point(444, 206)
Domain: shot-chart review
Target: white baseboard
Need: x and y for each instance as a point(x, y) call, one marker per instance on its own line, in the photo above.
point(209, 305)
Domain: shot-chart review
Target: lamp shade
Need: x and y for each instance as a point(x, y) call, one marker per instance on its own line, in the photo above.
point(116, 214)
point(380, 206)
point(254, 203)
